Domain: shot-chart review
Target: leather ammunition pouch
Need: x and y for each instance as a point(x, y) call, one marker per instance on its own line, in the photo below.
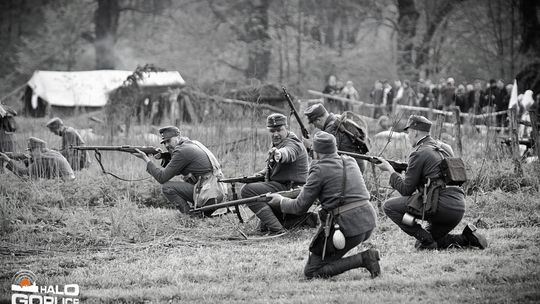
point(424, 204)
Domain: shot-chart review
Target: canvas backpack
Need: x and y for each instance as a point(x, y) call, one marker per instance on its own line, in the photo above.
point(355, 129)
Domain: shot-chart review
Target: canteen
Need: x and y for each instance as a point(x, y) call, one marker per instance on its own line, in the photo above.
point(338, 239)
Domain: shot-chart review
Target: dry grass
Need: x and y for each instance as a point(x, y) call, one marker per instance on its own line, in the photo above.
point(122, 242)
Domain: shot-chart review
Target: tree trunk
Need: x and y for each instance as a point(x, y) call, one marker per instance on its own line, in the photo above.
point(106, 24)
point(259, 41)
point(528, 78)
point(407, 22)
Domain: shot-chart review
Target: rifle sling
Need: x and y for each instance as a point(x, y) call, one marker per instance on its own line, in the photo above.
point(97, 155)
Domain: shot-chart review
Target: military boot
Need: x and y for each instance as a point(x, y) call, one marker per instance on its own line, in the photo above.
point(424, 240)
point(367, 259)
point(270, 221)
point(371, 259)
point(473, 237)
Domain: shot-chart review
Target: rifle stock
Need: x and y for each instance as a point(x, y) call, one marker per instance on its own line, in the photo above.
point(293, 193)
point(305, 132)
point(398, 166)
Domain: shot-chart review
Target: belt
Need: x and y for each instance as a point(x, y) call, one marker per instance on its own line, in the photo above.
point(347, 207)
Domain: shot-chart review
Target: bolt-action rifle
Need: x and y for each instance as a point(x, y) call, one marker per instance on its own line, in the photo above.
point(243, 179)
point(398, 166)
point(293, 193)
point(148, 150)
point(523, 141)
point(305, 132)
point(19, 156)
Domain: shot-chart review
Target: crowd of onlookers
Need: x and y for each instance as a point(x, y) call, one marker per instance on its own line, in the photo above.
point(475, 98)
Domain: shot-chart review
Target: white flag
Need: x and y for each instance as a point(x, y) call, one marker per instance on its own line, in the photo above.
point(513, 96)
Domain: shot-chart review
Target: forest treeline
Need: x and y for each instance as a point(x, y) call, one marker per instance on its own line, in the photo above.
point(298, 43)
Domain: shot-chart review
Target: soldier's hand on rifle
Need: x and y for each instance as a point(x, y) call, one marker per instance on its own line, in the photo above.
point(307, 143)
point(141, 155)
point(384, 165)
point(275, 200)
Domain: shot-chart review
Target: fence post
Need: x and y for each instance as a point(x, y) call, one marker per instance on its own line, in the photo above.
point(439, 124)
point(457, 113)
point(535, 134)
point(518, 170)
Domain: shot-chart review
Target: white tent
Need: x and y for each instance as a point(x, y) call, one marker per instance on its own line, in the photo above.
point(90, 88)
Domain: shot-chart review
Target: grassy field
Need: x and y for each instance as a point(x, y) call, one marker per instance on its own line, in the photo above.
point(122, 242)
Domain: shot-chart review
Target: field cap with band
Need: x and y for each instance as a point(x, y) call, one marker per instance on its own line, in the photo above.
point(276, 120)
point(419, 123)
point(55, 123)
point(315, 111)
point(168, 133)
point(34, 142)
point(324, 143)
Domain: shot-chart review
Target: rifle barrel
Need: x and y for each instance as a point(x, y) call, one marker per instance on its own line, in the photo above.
point(305, 132)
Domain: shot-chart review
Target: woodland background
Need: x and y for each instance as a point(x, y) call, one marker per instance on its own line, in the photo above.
point(297, 43)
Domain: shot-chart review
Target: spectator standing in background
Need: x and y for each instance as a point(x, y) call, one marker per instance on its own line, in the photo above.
point(377, 98)
point(331, 89)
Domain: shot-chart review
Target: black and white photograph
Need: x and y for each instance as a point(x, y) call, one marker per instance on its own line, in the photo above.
point(269, 151)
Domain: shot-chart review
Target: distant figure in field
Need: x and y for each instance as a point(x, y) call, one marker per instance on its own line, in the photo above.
point(424, 175)
point(8, 126)
point(336, 181)
point(377, 98)
point(332, 88)
point(70, 137)
point(44, 163)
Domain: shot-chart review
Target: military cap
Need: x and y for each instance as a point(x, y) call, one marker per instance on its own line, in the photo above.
point(168, 133)
point(315, 111)
point(55, 123)
point(276, 120)
point(34, 142)
point(419, 123)
point(324, 143)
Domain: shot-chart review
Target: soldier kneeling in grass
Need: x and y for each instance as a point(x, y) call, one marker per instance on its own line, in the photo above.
point(347, 216)
point(429, 193)
point(41, 163)
point(198, 166)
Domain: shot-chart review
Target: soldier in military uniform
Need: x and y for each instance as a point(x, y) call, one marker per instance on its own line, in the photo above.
point(319, 117)
point(44, 163)
point(338, 184)
point(189, 158)
point(423, 165)
point(287, 167)
point(76, 158)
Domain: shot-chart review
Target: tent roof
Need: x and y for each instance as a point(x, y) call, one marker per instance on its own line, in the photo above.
point(91, 88)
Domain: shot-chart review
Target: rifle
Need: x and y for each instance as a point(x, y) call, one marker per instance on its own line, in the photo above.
point(398, 166)
point(524, 141)
point(293, 193)
point(305, 132)
point(243, 179)
point(148, 150)
point(18, 156)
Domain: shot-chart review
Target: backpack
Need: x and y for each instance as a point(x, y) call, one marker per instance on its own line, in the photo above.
point(355, 128)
